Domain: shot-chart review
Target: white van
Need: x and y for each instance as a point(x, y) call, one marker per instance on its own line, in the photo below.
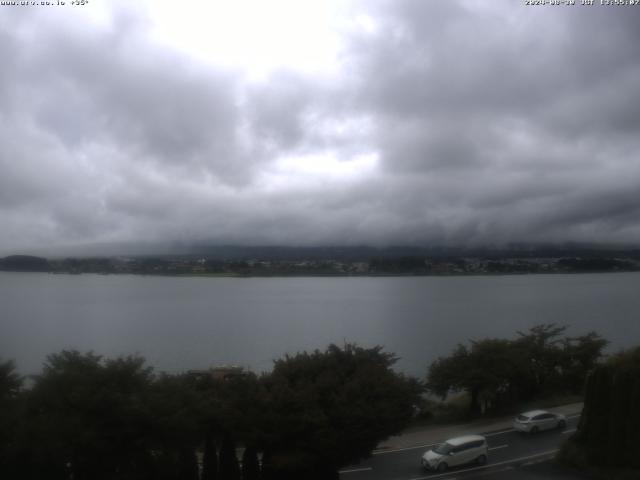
point(456, 451)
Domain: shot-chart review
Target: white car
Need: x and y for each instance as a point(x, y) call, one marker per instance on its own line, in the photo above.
point(456, 451)
point(537, 420)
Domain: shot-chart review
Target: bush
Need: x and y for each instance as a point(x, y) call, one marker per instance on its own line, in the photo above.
point(572, 455)
point(607, 441)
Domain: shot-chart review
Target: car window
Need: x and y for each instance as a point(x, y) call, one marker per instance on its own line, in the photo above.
point(443, 449)
point(539, 417)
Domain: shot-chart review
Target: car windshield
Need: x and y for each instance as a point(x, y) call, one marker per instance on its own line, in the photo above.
point(523, 418)
point(443, 449)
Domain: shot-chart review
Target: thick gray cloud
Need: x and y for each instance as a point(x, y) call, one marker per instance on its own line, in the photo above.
point(446, 122)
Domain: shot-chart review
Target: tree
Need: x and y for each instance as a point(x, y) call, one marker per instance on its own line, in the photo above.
point(229, 468)
point(209, 459)
point(10, 381)
point(608, 434)
point(188, 464)
point(88, 417)
point(330, 408)
point(580, 356)
point(450, 374)
point(250, 465)
point(488, 372)
point(177, 429)
point(499, 372)
point(493, 375)
point(10, 390)
point(541, 346)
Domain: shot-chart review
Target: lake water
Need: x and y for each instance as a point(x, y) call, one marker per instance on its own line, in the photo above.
point(191, 322)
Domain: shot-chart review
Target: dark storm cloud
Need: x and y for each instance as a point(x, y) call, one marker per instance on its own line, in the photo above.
point(151, 103)
point(276, 111)
point(486, 123)
point(521, 114)
point(95, 118)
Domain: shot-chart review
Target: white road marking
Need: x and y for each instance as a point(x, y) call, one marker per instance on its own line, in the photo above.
point(499, 446)
point(499, 433)
point(484, 467)
point(354, 470)
point(380, 452)
point(570, 431)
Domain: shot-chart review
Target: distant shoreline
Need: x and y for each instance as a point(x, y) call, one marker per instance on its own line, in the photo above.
point(327, 266)
point(323, 275)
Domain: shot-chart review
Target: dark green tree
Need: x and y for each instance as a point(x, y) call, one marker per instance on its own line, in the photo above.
point(608, 434)
point(250, 465)
point(235, 404)
point(268, 469)
point(188, 464)
point(330, 408)
point(494, 372)
point(229, 467)
point(580, 356)
point(10, 420)
point(499, 372)
point(239, 406)
point(10, 381)
point(488, 371)
point(450, 374)
point(89, 418)
point(541, 346)
point(177, 409)
point(209, 459)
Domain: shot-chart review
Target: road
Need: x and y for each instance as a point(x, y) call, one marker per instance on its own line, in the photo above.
point(511, 455)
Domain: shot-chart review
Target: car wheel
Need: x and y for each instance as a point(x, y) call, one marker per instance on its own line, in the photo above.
point(481, 460)
point(442, 467)
point(562, 424)
point(534, 430)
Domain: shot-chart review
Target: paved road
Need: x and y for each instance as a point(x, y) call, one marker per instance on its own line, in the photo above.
point(509, 452)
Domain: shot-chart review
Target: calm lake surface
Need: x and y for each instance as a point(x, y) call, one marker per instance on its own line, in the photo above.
point(190, 322)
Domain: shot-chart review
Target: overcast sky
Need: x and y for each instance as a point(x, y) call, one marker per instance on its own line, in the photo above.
point(406, 122)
